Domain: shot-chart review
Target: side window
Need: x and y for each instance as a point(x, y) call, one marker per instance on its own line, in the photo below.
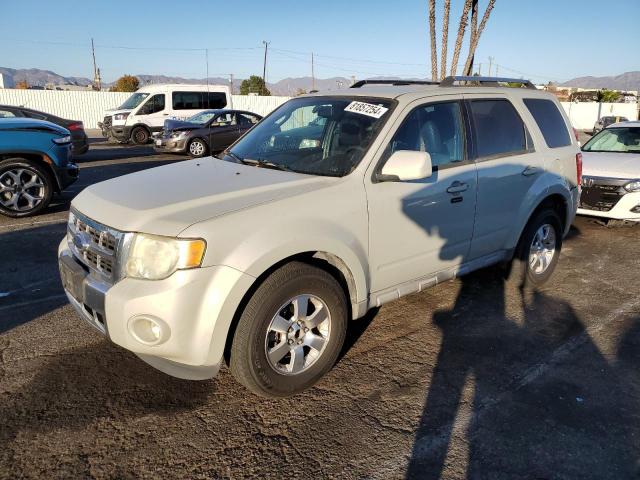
point(498, 127)
point(7, 114)
point(246, 120)
point(549, 119)
point(34, 115)
point(436, 128)
point(198, 100)
point(154, 105)
point(224, 120)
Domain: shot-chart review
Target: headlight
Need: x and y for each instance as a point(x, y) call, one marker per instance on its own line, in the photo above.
point(62, 140)
point(121, 116)
point(154, 257)
point(633, 186)
point(181, 133)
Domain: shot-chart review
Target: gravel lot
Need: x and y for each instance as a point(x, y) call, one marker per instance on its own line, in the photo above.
point(470, 379)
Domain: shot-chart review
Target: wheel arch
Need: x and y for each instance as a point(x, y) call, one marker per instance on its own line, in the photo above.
point(41, 159)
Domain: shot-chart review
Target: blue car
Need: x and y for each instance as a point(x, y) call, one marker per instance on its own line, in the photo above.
point(35, 163)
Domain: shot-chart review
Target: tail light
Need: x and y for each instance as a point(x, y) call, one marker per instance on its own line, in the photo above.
point(75, 126)
point(579, 168)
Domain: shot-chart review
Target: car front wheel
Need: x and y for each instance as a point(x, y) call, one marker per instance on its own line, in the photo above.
point(291, 331)
point(197, 148)
point(140, 136)
point(25, 187)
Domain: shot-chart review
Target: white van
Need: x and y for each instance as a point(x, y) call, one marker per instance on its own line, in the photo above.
point(146, 110)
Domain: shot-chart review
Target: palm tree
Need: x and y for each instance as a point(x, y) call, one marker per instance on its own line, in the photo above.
point(445, 39)
point(432, 30)
point(475, 34)
point(461, 28)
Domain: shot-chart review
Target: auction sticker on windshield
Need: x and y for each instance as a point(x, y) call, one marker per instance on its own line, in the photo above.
point(375, 111)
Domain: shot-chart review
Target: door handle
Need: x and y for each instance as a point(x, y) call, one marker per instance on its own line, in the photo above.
point(458, 187)
point(530, 170)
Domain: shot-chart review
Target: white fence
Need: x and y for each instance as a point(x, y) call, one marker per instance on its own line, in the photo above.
point(584, 115)
point(89, 106)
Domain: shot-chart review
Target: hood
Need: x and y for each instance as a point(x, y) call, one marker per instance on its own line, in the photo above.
point(166, 200)
point(18, 123)
point(610, 164)
point(171, 124)
point(113, 111)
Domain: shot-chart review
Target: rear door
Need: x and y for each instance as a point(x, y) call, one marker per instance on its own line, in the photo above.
point(507, 168)
point(223, 131)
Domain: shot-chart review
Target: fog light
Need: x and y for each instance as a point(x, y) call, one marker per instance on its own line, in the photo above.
point(149, 330)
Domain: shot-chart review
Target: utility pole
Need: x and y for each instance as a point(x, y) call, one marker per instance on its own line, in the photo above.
point(264, 68)
point(206, 59)
point(96, 71)
point(480, 69)
point(490, 63)
point(313, 76)
point(231, 82)
point(497, 69)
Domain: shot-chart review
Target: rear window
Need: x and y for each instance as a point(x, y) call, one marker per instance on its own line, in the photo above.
point(549, 119)
point(198, 100)
point(498, 127)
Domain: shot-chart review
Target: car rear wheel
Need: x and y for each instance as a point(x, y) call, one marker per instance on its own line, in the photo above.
point(26, 187)
point(197, 148)
point(538, 251)
point(140, 136)
point(291, 331)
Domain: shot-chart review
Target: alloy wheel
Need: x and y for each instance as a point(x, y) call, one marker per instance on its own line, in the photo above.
point(21, 189)
point(543, 249)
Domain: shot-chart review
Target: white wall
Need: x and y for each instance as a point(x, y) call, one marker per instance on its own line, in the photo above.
point(89, 106)
point(584, 114)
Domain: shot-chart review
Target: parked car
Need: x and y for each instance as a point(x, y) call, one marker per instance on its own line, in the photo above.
point(79, 140)
point(611, 181)
point(604, 122)
point(205, 132)
point(35, 163)
point(145, 111)
point(262, 256)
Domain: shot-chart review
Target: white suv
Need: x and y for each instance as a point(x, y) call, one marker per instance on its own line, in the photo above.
point(332, 205)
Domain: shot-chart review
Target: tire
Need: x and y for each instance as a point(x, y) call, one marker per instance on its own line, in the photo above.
point(197, 148)
point(270, 353)
point(525, 271)
point(26, 187)
point(140, 136)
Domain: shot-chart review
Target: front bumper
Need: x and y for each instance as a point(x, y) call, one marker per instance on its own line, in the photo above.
point(627, 208)
point(193, 307)
point(170, 145)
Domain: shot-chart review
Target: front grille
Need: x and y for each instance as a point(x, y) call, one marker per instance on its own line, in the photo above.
point(601, 194)
point(94, 244)
point(107, 121)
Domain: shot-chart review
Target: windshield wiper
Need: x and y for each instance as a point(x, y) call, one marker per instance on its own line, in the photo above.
point(265, 164)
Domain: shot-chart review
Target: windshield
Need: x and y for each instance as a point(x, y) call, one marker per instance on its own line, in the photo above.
point(133, 101)
point(619, 139)
point(202, 117)
point(315, 135)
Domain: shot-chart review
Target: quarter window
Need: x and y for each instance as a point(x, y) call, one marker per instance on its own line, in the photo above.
point(154, 105)
point(7, 114)
point(435, 128)
point(549, 119)
point(499, 130)
point(198, 100)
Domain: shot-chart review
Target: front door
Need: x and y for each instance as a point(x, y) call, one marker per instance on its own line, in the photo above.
point(420, 227)
point(223, 131)
point(152, 113)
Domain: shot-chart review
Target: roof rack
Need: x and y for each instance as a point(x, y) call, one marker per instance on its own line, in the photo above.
point(362, 83)
point(485, 81)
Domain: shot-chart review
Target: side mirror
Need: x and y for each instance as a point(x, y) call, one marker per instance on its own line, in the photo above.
point(406, 165)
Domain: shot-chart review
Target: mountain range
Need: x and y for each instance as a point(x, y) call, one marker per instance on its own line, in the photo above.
point(291, 85)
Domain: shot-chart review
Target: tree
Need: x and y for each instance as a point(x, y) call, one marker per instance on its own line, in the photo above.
point(461, 28)
point(299, 91)
point(254, 84)
point(445, 39)
point(476, 32)
point(608, 96)
point(432, 30)
point(22, 84)
point(126, 83)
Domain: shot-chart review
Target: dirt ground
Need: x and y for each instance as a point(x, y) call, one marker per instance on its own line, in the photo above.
point(470, 379)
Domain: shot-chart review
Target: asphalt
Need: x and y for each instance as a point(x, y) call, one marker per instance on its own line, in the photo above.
point(470, 379)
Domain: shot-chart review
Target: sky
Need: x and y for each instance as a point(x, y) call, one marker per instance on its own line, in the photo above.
point(544, 40)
